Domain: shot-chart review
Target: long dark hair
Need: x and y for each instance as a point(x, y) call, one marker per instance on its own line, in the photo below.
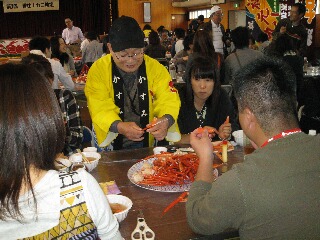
point(32, 132)
point(55, 49)
point(203, 46)
point(203, 67)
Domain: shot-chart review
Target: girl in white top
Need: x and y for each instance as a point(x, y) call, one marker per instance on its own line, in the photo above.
point(35, 200)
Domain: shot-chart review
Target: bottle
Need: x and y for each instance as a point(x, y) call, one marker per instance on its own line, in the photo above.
point(224, 151)
point(312, 132)
point(173, 71)
point(77, 162)
point(305, 64)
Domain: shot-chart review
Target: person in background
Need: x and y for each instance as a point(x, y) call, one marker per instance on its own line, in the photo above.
point(283, 48)
point(181, 58)
point(73, 37)
point(203, 46)
point(127, 89)
point(204, 103)
point(105, 49)
point(59, 51)
point(242, 56)
point(155, 49)
point(180, 34)
point(165, 40)
point(294, 28)
point(67, 102)
point(41, 46)
point(263, 41)
point(265, 196)
point(216, 29)
point(160, 29)
point(85, 42)
point(146, 30)
point(35, 199)
point(93, 51)
point(195, 23)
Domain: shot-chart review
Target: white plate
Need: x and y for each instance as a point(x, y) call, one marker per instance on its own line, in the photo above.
point(169, 188)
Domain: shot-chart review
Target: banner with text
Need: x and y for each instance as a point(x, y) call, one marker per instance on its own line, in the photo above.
point(29, 6)
point(263, 15)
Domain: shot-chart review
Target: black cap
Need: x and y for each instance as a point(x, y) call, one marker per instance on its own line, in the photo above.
point(125, 33)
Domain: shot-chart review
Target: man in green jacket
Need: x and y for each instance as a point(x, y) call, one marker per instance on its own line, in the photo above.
point(127, 89)
point(274, 193)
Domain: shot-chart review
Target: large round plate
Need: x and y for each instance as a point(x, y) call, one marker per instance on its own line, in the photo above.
point(169, 188)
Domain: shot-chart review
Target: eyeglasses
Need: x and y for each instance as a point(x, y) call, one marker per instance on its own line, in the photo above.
point(218, 14)
point(124, 56)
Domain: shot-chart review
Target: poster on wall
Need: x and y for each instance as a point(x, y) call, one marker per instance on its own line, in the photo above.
point(29, 6)
point(263, 15)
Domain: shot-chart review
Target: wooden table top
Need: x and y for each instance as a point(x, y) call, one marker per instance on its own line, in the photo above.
point(173, 225)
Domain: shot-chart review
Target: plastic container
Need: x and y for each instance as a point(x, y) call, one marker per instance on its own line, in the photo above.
point(77, 162)
point(312, 132)
point(305, 64)
point(173, 71)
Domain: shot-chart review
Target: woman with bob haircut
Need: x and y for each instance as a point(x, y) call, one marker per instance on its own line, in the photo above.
point(59, 51)
point(36, 201)
point(205, 104)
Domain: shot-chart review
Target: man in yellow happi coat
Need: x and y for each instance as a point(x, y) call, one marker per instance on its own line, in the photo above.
point(126, 90)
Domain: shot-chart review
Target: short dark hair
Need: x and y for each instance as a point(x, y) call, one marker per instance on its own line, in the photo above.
point(39, 43)
point(40, 63)
point(147, 27)
point(180, 32)
point(32, 132)
point(201, 18)
point(154, 38)
point(262, 37)
point(267, 87)
point(240, 37)
point(301, 8)
point(91, 35)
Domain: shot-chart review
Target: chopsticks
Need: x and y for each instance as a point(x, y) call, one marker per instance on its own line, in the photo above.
point(172, 204)
point(85, 159)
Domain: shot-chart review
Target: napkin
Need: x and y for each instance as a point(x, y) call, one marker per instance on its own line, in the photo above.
point(110, 187)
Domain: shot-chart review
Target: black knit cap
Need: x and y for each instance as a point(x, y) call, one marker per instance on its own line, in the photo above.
point(125, 33)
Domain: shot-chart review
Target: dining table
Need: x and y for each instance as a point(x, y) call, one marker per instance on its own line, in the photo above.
point(114, 166)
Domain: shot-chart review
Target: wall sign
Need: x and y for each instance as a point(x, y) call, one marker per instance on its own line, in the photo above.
point(147, 12)
point(29, 6)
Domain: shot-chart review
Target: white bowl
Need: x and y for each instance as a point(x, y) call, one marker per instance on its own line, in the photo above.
point(238, 136)
point(159, 150)
point(94, 163)
point(90, 149)
point(63, 165)
point(113, 198)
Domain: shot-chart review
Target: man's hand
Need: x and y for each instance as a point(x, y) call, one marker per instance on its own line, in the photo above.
point(201, 143)
point(130, 130)
point(159, 129)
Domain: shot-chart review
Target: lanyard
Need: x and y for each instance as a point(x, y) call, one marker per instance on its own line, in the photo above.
point(282, 135)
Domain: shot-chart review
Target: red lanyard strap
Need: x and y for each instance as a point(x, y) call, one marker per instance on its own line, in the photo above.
point(282, 135)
